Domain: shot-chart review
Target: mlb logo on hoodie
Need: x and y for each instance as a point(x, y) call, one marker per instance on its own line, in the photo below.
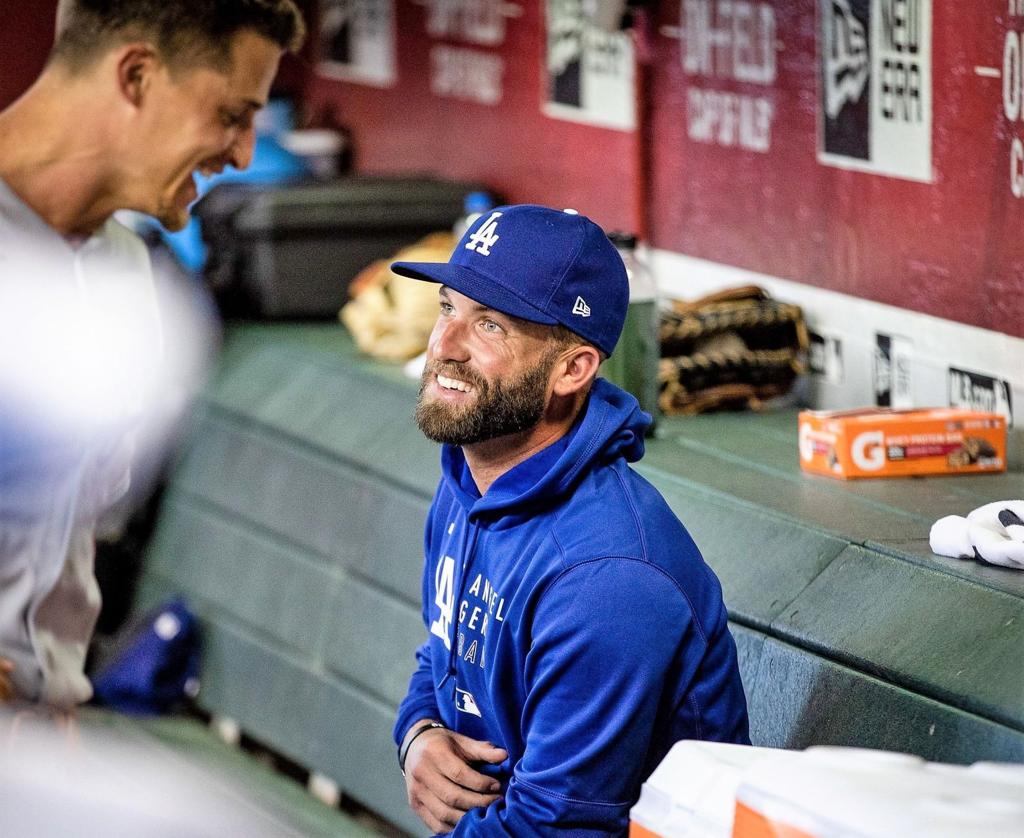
point(465, 703)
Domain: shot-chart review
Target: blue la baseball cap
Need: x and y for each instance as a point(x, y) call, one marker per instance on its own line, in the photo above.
point(538, 264)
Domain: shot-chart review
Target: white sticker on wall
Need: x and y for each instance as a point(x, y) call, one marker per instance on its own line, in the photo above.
point(977, 391)
point(590, 73)
point(825, 358)
point(357, 41)
point(892, 371)
point(875, 86)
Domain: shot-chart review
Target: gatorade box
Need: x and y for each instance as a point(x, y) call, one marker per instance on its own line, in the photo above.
point(879, 442)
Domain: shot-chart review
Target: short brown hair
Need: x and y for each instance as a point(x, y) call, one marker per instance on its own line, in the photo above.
point(566, 338)
point(198, 31)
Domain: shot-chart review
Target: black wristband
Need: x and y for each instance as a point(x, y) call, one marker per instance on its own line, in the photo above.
point(404, 750)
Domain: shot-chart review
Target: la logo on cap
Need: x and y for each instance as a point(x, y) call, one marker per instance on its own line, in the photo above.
point(581, 308)
point(485, 238)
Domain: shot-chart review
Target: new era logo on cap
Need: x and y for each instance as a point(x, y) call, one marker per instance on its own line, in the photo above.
point(541, 265)
point(581, 308)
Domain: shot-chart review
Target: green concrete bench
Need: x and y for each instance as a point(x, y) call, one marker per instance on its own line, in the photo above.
point(293, 523)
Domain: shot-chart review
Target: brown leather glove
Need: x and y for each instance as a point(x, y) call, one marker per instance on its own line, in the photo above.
point(729, 350)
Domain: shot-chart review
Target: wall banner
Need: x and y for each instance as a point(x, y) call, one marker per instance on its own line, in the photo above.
point(892, 365)
point(1012, 75)
point(875, 81)
point(825, 358)
point(357, 41)
point(472, 73)
point(977, 391)
point(728, 52)
point(590, 73)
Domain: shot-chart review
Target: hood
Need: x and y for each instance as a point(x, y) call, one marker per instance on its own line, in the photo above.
point(610, 426)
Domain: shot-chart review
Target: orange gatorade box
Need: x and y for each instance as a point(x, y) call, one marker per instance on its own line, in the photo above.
point(879, 442)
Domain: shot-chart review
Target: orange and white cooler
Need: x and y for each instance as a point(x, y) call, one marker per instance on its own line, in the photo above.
point(708, 790)
point(692, 792)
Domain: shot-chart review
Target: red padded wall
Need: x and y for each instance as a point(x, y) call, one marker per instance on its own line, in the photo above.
point(951, 247)
point(948, 248)
point(26, 34)
point(512, 147)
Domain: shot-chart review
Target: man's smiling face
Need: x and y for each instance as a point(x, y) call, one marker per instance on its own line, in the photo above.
point(201, 120)
point(487, 375)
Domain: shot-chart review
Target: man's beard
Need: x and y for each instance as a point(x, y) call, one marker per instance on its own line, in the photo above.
point(500, 408)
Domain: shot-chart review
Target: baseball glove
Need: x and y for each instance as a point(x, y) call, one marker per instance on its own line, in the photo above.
point(731, 350)
point(390, 316)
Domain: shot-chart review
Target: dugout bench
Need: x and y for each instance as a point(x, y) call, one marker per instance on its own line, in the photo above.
point(293, 525)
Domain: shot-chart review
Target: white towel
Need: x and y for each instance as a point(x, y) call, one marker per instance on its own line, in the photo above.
point(948, 537)
point(997, 532)
point(993, 533)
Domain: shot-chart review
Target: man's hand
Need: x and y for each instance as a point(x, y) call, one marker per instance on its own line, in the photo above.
point(441, 783)
point(6, 687)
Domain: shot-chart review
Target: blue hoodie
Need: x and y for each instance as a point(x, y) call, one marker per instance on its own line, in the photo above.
point(573, 623)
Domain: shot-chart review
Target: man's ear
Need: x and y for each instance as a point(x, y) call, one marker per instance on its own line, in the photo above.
point(136, 65)
point(576, 369)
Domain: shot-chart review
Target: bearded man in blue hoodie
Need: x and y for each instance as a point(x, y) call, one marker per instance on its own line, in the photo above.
point(575, 632)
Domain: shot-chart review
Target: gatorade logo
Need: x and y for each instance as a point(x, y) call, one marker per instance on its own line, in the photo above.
point(486, 236)
point(868, 450)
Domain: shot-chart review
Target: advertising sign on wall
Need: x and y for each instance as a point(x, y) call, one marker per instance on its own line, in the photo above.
point(590, 73)
point(977, 391)
point(468, 72)
point(728, 50)
point(892, 366)
point(1012, 75)
point(875, 73)
point(825, 358)
point(357, 41)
